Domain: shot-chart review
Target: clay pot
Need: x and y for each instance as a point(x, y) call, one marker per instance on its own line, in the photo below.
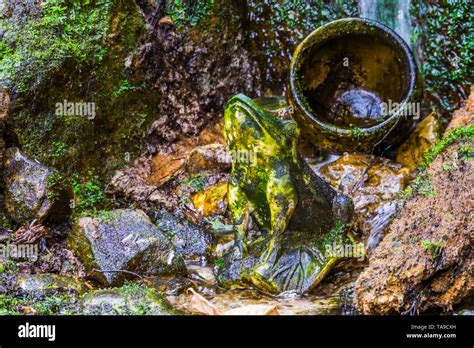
point(354, 85)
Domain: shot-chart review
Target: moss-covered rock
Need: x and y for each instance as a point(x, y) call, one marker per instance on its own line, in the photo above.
point(131, 299)
point(425, 261)
point(33, 190)
point(118, 244)
point(44, 283)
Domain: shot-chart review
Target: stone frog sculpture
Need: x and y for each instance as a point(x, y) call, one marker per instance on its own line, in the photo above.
point(299, 214)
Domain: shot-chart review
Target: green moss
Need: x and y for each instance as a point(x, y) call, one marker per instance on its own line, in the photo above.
point(423, 185)
point(448, 166)
point(357, 133)
point(196, 182)
point(123, 87)
point(66, 30)
point(192, 13)
point(219, 263)
point(59, 149)
point(337, 235)
point(96, 73)
point(451, 138)
point(407, 192)
point(435, 248)
point(56, 184)
point(88, 194)
point(130, 299)
point(48, 305)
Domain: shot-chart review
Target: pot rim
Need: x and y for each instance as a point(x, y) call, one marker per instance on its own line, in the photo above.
point(411, 89)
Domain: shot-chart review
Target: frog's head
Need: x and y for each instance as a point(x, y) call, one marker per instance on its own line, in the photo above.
point(247, 123)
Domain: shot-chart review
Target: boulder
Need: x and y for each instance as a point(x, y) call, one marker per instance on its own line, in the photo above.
point(130, 299)
point(34, 191)
point(189, 239)
point(122, 243)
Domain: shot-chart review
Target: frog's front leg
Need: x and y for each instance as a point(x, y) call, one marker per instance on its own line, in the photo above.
point(240, 209)
point(282, 199)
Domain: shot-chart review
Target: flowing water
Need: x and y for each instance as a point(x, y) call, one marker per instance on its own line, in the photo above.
point(331, 297)
point(393, 13)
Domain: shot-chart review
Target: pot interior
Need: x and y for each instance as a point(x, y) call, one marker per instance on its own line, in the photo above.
point(347, 79)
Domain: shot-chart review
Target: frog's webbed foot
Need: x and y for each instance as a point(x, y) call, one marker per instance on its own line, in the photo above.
point(297, 270)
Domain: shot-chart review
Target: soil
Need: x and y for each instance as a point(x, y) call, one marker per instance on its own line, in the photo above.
point(426, 261)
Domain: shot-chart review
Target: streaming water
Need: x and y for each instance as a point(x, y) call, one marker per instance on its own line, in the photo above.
point(393, 13)
point(330, 298)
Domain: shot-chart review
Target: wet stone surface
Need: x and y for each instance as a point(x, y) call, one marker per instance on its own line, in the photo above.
point(122, 244)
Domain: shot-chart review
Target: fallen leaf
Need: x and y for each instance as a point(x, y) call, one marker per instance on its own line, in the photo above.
point(27, 310)
point(254, 310)
point(165, 21)
point(200, 305)
point(211, 201)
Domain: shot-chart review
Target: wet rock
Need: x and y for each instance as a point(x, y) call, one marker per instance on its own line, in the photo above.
point(34, 192)
point(425, 135)
point(198, 67)
point(4, 234)
point(144, 181)
point(189, 239)
point(213, 157)
point(212, 201)
point(128, 300)
point(190, 154)
point(44, 283)
point(122, 241)
point(426, 259)
point(170, 286)
point(374, 183)
point(131, 183)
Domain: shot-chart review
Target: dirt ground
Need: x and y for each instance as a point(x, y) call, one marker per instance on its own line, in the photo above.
point(426, 261)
